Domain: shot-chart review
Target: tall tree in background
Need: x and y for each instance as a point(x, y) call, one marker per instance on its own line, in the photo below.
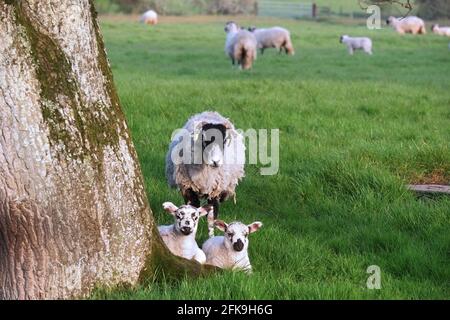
point(73, 209)
point(434, 9)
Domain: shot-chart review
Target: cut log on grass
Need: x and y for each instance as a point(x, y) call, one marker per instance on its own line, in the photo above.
point(429, 189)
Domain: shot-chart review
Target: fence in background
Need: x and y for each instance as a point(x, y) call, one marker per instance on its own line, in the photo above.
point(284, 9)
point(296, 10)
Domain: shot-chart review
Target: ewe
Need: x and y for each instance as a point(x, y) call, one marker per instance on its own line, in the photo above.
point(149, 17)
point(411, 24)
point(206, 161)
point(442, 31)
point(275, 37)
point(240, 45)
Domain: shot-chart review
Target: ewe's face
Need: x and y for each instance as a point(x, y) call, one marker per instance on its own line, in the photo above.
point(389, 20)
point(186, 217)
point(231, 27)
point(236, 234)
point(214, 137)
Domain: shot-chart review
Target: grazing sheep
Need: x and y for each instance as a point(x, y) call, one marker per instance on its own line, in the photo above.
point(240, 45)
point(231, 250)
point(275, 37)
point(411, 24)
point(180, 236)
point(206, 161)
point(442, 31)
point(149, 17)
point(359, 43)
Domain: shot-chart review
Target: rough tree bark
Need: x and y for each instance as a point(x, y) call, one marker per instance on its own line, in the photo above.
point(73, 209)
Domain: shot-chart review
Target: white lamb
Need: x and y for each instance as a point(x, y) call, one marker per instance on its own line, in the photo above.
point(442, 31)
point(149, 17)
point(358, 43)
point(180, 236)
point(275, 37)
point(230, 251)
point(411, 24)
point(240, 45)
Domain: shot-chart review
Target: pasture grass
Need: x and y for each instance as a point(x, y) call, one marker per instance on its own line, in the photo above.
point(353, 131)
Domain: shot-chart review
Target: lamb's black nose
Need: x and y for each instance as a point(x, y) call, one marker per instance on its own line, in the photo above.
point(186, 230)
point(238, 245)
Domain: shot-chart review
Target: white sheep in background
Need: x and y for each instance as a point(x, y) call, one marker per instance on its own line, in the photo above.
point(149, 17)
point(442, 31)
point(275, 37)
point(180, 236)
point(206, 161)
point(357, 43)
point(231, 250)
point(240, 45)
point(411, 24)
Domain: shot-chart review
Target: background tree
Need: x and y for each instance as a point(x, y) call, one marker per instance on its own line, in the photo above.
point(434, 9)
point(73, 209)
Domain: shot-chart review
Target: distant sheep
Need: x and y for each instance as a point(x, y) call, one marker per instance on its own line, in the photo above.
point(240, 45)
point(180, 236)
point(275, 37)
point(212, 163)
point(411, 24)
point(149, 17)
point(442, 31)
point(359, 43)
point(231, 250)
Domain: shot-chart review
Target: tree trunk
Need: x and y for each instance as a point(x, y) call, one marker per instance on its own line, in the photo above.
point(73, 209)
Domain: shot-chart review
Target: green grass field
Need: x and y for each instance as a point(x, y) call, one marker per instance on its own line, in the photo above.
point(353, 131)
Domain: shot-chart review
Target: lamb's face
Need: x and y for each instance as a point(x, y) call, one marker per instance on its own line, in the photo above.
point(186, 216)
point(390, 20)
point(231, 26)
point(252, 28)
point(343, 38)
point(213, 137)
point(236, 234)
point(434, 27)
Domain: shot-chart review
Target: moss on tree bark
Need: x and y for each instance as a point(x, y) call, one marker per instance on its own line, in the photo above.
point(74, 214)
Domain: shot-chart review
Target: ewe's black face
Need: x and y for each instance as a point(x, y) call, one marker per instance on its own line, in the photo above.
point(214, 137)
point(186, 217)
point(236, 234)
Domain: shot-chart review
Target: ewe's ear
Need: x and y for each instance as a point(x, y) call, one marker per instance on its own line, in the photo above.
point(221, 225)
point(203, 211)
point(170, 207)
point(255, 226)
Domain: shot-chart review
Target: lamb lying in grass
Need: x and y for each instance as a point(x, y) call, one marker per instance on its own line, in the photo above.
point(360, 43)
point(180, 236)
point(230, 251)
point(442, 31)
point(411, 24)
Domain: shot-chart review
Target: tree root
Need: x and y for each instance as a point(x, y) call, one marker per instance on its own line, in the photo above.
point(162, 264)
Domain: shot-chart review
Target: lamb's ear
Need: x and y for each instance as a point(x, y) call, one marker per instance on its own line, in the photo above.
point(255, 226)
point(221, 225)
point(205, 210)
point(170, 207)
